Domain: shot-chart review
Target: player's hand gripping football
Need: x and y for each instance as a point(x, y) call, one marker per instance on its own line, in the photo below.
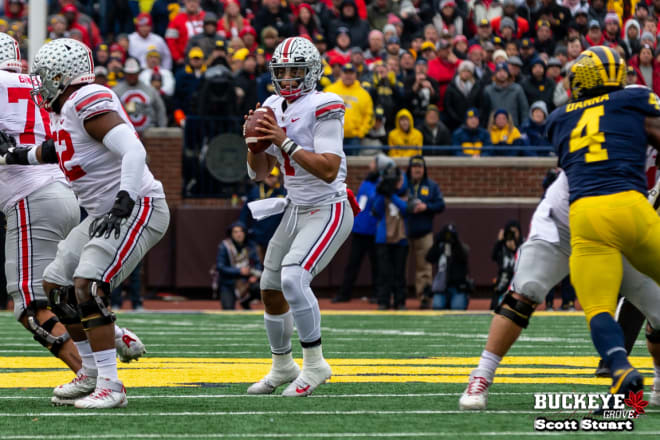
point(271, 131)
point(105, 225)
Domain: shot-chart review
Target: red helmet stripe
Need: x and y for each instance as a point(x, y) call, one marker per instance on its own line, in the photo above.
point(285, 50)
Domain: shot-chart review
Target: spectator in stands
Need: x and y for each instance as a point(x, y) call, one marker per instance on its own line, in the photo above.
point(133, 286)
point(448, 18)
point(359, 106)
point(393, 46)
point(427, 51)
point(430, 34)
point(272, 13)
point(358, 28)
point(306, 22)
point(485, 10)
point(434, 131)
point(504, 134)
point(594, 36)
point(364, 230)
point(507, 29)
point(484, 31)
point(156, 81)
point(574, 48)
point(143, 104)
point(377, 136)
point(404, 135)
point(407, 66)
point(143, 39)
point(84, 23)
point(206, 39)
point(249, 37)
point(597, 10)
point(451, 285)
point(246, 85)
point(187, 83)
point(533, 130)
point(504, 255)
point(632, 33)
point(261, 231)
point(442, 70)
point(558, 16)
point(563, 89)
point(538, 86)
point(503, 93)
point(424, 200)
point(218, 93)
point(101, 55)
point(644, 64)
point(390, 212)
point(463, 92)
point(376, 47)
point(58, 28)
point(100, 75)
point(232, 22)
point(471, 137)
point(420, 91)
point(70, 12)
point(184, 26)
point(520, 25)
point(460, 47)
point(511, 48)
point(553, 70)
point(612, 32)
point(378, 12)
point(239, 268)
point(544, 43)
point(341, 51)
point(482, 72)
point(154, 66)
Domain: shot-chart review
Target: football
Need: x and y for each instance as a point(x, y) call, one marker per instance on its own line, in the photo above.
point(250, 132)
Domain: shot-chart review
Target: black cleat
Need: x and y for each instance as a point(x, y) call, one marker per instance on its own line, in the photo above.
point(602, 370)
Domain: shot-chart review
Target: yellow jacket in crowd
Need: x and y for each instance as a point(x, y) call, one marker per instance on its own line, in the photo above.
point(398, 137)
point(506, 135)
point(359, 108)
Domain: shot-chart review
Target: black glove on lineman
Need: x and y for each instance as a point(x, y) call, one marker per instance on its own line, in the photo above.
point(112, 221)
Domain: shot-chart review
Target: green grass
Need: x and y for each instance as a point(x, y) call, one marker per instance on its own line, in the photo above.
point(337, 410)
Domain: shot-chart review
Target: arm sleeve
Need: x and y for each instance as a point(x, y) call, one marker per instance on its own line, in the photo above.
point(403, 206)
point(123, 141)
point(437, 202)
point(222, 263)
point(328, 137)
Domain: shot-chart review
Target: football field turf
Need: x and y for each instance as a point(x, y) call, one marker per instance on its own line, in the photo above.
point(395, 375)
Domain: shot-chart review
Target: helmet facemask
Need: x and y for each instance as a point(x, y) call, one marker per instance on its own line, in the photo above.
point(284, 74)
point(46, 87)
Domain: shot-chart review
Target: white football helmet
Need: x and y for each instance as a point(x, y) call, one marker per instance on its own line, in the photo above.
point(10, 55)
point(59, 64)
point(295, 53)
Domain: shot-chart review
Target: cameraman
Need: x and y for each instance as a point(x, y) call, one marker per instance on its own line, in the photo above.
point(504, 254)
point(451, 285)
point(424, 201)
point(390, 210)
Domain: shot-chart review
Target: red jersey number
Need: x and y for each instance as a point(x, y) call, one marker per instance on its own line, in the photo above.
point(16, 94)
point(75, 172)
point(289, 170)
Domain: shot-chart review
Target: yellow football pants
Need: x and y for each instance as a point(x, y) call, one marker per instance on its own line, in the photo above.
point(603, 228)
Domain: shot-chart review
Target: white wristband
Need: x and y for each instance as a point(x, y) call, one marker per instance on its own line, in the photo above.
point(290, 147)
point(32, 156)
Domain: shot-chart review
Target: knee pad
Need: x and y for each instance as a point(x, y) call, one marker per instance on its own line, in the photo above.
point(94, 312)
point(653, 335)
point(519, 311)
point(42, 331)
point(62, 302)
point(270, 280)
point(295, 287)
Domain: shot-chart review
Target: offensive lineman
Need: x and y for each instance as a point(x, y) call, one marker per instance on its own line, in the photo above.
point(41, 209)
point(101, 157)
point(317, 218)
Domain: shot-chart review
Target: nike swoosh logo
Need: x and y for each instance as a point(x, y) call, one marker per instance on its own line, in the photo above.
point(302, 390)
point(294, 120)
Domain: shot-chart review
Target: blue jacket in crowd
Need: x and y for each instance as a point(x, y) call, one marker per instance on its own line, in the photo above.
point(472, 141)
point(364, 222)
point(378, 210)
point(229, 273)
point(261, 231)
point(426, 191)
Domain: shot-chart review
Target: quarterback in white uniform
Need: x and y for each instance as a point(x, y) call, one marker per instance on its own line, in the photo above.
point(104, 162)
point(307, 142)
point(549, 243)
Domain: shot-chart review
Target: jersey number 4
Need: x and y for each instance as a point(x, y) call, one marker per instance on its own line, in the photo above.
point(587, 134)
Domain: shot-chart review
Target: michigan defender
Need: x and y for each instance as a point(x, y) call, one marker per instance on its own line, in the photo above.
point(541, 264)
point(601, 139)
point(318, 218)
point(104, 161)
point(41, 210)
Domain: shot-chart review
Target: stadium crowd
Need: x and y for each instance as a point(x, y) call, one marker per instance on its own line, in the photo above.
point(478, 75)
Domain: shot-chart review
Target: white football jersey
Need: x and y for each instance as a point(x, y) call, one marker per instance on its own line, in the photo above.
point(93, 171)
point(29, 125)
point(299, 122)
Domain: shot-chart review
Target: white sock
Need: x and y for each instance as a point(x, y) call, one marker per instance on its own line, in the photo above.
point(119, 332)
point(656, 370)
point(489, 363)
point(279, 329)
point(87, 356)
point(106, 363)
point(312, 356)
point(282, 361)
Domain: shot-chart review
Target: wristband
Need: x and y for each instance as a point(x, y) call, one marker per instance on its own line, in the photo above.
point(290, 147)
point(32, 156)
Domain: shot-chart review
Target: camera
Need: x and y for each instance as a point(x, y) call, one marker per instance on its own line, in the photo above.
point(389, 180)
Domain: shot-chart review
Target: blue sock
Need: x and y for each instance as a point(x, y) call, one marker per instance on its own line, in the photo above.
point(608, 339)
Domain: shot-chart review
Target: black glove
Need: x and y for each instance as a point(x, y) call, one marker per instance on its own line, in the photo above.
point(112, 221)
point(7, 146)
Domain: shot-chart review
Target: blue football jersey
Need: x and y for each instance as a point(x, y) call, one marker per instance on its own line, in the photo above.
point(601, 142)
